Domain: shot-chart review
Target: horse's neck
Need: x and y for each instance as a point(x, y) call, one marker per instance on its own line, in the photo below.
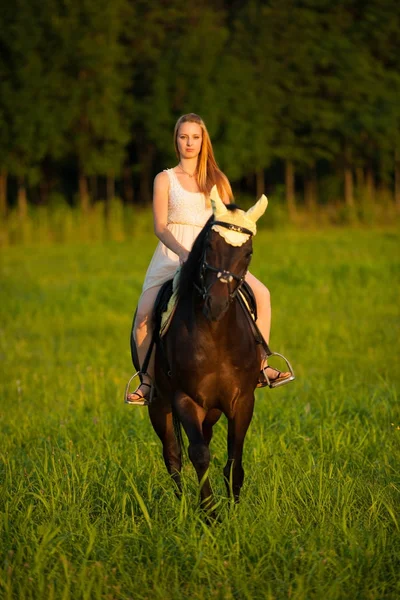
point(233, 323)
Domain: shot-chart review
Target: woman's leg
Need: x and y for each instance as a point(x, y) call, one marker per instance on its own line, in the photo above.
point(263, 299)
point(143, 332)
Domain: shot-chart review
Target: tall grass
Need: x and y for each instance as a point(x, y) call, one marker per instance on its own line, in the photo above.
point(60, 223)
point(87, 509)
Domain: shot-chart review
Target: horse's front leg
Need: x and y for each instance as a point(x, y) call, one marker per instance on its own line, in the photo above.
point(212, 417)
point(161, 419)
point(237, 429)
point(192, 417)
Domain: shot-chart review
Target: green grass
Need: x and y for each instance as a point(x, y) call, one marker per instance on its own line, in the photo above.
point(87, 508)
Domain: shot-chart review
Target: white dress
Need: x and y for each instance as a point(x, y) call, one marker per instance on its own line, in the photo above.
point(187, 215)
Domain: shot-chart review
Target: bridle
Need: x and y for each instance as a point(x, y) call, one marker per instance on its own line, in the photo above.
point(222, 275)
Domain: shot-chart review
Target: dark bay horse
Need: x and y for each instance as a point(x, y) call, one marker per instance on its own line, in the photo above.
point(208, 362)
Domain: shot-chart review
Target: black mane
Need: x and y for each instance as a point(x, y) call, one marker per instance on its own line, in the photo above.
point(191, 267)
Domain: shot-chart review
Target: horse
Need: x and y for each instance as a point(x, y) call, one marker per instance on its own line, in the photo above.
point(208, 362)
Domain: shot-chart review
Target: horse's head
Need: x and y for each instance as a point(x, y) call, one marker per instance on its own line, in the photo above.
point(227, 253)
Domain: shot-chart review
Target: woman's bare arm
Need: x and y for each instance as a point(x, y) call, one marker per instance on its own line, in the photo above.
point(160, 216)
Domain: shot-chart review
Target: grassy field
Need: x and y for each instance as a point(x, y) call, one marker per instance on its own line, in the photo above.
point(87, 508)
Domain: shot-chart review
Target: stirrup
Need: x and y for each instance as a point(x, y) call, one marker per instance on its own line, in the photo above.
point(141, 401)
point(274, 384)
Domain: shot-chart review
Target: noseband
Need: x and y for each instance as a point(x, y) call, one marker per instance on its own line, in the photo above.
point(222, 275)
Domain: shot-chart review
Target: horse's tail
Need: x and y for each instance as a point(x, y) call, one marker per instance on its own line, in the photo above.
point(178, 430)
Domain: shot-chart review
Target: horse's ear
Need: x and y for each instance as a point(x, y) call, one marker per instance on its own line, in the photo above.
point(218, 206)
point(256, 211)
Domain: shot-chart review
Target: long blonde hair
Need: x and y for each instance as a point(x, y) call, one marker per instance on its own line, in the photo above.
point(208, 172)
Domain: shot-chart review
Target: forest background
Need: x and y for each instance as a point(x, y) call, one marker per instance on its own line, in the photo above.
point(301, 99)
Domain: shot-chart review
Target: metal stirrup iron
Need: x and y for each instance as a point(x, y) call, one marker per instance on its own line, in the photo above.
point(139, 402)
point(274, 384)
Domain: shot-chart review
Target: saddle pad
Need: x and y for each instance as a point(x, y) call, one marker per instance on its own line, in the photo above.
point(167, 315)
point(245, 300)
point(247, 295)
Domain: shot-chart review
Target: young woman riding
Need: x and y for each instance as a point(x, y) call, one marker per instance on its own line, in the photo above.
point(181, 207)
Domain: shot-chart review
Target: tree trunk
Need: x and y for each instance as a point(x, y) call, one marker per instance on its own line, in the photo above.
point(94, 188)
point(397, 180)
point(369, 185)
point(348, 187)
point(360, 183)
point(44, 192)
point(3, 192)
point(110, 187)
point(146, 156)
point(22, 201)
point(83, 192)
point(260, 185)
point(360, 177)
point(348, 177)
point(129, 195)
point(289, 183)
point(310, 189)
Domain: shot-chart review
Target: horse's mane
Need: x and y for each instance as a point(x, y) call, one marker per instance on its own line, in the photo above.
point(191, 267)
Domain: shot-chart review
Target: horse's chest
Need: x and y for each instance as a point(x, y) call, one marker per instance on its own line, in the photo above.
point(214, 350)
point(214, 364)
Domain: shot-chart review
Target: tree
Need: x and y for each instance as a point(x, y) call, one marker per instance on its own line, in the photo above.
point(99, 123)
point(248, 75)
point(23, 101)
point(174, 72)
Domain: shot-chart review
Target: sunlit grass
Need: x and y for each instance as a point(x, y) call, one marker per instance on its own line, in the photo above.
point(87, 508)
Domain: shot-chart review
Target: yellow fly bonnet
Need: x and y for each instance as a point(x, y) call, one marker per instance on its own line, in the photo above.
point(237, 217)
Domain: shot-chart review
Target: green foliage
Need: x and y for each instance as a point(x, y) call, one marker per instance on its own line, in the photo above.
point(87, 509)
point(99, 79)
point(23, 102)
point(250, 96)
point(92, 86)
point(64, 85)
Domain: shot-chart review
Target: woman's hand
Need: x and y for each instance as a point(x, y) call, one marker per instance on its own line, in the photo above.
point(183, 255)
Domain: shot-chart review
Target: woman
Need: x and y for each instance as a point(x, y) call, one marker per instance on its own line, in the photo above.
point(181, 207)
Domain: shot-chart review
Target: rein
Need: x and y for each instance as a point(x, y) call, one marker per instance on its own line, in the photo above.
point(222, 275)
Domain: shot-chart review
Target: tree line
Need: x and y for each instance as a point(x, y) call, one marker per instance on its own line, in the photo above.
point(292, 92)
